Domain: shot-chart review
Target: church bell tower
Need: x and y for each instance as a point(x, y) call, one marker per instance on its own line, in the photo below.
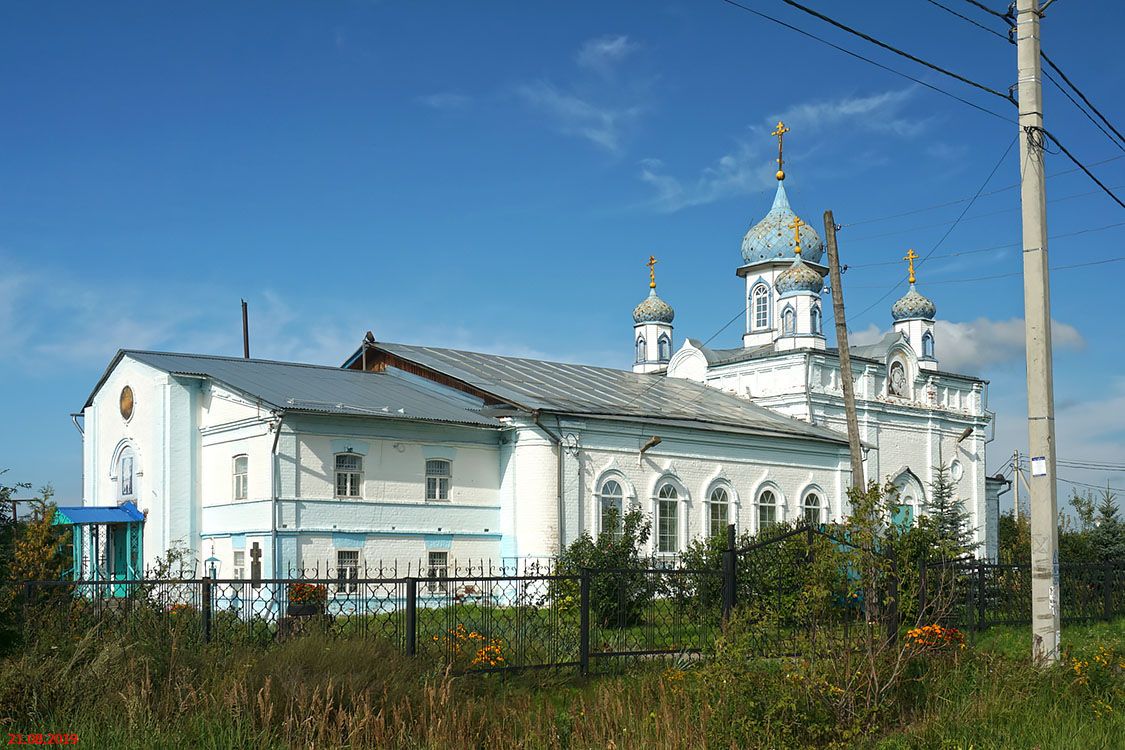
point(652, 328)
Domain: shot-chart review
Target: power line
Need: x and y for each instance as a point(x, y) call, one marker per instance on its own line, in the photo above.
point(1031, 130)
point(1094, 465)
point(962, 200)
point(947, 9)
point(1084, 98)
point(1083, 110)
point(953, 226)
point(1091, 486)
point(986, 9)
point(896, 50)
point(989, 248)
point(1068, 267)
point(858, 56)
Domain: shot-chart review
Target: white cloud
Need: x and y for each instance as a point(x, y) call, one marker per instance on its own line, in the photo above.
point(878, 112)
point(603, 53)
point(974, 345)
point(872, 334)
point(444, 100)
point(571, 114)
point(742, 170)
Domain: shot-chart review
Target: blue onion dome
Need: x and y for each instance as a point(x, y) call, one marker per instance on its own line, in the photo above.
point(799, 277)
point(653, 310)
point(913, 306)
point(772, 238)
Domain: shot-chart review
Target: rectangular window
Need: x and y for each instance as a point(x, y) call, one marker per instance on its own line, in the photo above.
point(347, 570)
point(438, 472)
point(241, 474)
point(437, 568)
point(127, 475)
point(349, 475)
point(666, 526)
point(718, 519)
point(767, 516)
point(238, 568)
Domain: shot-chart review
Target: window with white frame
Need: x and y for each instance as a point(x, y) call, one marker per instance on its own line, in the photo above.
point(241, 476)
point(760, 298)
point(788, 321)
point(664, 347)
point(718, 511)
point(611, 506)
point(349, 475)
point(347, 570)
point(667, 518)
point(642, 355)
point(927, 345)
point(238, 564)
point(438, 473)
point(814, 319)
point(437, 568)
point(767, 509)
point(812, 508)
point(126, 473)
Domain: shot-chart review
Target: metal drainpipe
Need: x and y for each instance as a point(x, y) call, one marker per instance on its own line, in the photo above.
point(808, 386)
point(557, 440)
point(276, 471)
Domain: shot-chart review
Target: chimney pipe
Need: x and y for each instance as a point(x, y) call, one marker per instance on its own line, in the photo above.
point(245, 332)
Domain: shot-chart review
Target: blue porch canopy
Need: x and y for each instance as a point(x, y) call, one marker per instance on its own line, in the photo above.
point(107, 541)
point(85, 514)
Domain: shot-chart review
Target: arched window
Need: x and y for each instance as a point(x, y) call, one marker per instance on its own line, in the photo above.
point(126, 473)
point(814, 319)
point(927, 345)
point(241, 476)
point(610, 500)
point(811, 508)
point(718, 512)
point(667, 518)
point(641, 354)
point(438, 473)
point(349, 475)
point(761, 303)
point(767, 509)
point(788, 321)
point(664, 347)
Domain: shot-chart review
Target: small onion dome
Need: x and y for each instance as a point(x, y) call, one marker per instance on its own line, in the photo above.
point(772, 237)
point(799, 278)
point(913, 306)
point(653, 310)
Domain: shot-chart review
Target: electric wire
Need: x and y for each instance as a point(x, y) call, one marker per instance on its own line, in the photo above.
point(1082, 109)
point(986, 9)
point(868, 60)
point(979, 25)
point(1030, 130)
point(896, 50)
point(949, 231)
point(1081, 95)
point(970, 279)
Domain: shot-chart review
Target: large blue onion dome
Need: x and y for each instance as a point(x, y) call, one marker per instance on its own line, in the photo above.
point(653, 310)
point(799, 277)
point(772, 237)
point(912, 306)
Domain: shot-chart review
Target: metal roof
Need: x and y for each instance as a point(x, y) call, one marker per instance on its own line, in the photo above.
point(289, 386)
point(602, 391)
point(80, 515)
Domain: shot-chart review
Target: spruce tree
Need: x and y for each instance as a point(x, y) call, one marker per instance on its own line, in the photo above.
point(946, 515)
point(1109, 532)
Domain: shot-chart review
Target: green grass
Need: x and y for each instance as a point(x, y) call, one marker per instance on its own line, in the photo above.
point(1015, 641)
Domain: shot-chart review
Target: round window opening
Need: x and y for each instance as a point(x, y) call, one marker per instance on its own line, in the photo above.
point(126, 402)
point(956, 470)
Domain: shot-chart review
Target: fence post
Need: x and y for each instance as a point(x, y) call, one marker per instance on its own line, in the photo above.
point(411, 616)
point(1107, 591)
point(206, 607)
point(892, 604)
point(584, 622)
point(980, 595)
point(730, 566)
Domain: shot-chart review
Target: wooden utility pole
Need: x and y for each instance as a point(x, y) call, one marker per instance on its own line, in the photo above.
point(1045, 626)
point(845, 355)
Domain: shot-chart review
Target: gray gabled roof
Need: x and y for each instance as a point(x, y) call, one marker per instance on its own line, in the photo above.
point(583, 390)
point(290, 386)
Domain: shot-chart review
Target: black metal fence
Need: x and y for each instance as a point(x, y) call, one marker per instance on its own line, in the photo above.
point(476, 623)
point(986, 594)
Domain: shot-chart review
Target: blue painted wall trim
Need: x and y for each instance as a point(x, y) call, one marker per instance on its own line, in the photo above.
point(439, 451)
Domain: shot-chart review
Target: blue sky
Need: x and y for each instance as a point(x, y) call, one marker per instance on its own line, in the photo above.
point(493, 177)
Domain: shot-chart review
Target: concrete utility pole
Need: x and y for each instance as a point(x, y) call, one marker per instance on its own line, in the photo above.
point(1016, 484)
point(845, 355)
point(1037, 322)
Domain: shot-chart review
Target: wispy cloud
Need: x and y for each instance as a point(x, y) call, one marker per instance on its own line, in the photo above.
point(742, 170)
point(605, 52)
point(571, 114)
point(878, 112)
point(444, 100)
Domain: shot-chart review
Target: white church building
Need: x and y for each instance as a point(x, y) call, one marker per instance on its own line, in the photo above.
point(430, 456)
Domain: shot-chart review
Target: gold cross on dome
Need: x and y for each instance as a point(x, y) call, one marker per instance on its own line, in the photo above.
point(651, 271)
point(796, 227)
point(780, 132)
point(911, 256)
